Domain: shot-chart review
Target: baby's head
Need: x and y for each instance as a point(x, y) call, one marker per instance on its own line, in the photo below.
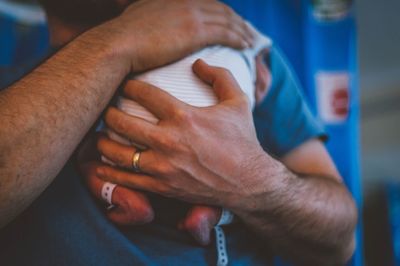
point(263, 75)
point(68, 18)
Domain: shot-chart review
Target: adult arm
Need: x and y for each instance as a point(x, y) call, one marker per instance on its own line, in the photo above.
point(305, 214)
point(45, 115)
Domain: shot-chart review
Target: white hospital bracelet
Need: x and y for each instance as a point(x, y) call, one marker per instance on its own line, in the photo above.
point(107, 191)
point(226, 218)
point(222, 254)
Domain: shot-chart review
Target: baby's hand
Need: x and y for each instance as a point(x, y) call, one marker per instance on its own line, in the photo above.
point(130, 207)
point(200, 221)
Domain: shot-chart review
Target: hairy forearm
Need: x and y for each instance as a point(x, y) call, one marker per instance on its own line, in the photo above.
point(308, 219)
point(45, 115)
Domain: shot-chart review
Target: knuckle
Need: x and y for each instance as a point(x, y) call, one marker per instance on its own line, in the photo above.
point(109, 115)
point(165, 141)
point(232, 25)
point(193, 16)
point(153, 136)
point(129, 87)
point(224, 73)
point(100, 145)
point(114, 121)
point(194, 23)
point(183, 116)
point(244, 101)
point(228, 73)
point(142, 92)
point(121, 125)
point(220, 71)
point(228, 35)
point(228, 11)
point(119, 159)
point(165, 169)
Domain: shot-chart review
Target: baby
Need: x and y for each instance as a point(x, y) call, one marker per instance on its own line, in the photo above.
point(130, 207)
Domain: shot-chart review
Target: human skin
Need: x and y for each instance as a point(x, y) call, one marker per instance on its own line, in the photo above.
point(46, 114)
point(298, 205)
point(131, 207)
point(320, 238)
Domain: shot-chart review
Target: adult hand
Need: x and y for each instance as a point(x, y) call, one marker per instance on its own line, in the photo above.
point(212, 156)
point(155, 32)
point(201, 155)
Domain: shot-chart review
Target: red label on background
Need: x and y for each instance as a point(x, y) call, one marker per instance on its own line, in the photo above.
point(333, 96)
point(340, 102)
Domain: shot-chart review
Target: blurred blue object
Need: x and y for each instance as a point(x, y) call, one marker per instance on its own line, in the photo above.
point(393, 197)
point(319, 38)
point(7, 40)
point(23, 33)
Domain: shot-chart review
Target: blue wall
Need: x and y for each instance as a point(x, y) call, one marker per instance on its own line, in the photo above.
point(322, 49)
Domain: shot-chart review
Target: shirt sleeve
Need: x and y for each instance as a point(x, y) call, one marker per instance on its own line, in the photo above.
point(283, 120)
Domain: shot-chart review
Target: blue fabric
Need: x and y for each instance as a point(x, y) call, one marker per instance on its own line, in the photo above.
point(283, 120)
point(393, 201)
point(65, 226)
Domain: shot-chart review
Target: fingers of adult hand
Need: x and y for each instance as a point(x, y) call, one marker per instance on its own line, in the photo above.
point(133, 128)
point(218, 34)
point(222, 81)
point(128, 179)
point(229, 21)
point(157, 101)
point(122, 155)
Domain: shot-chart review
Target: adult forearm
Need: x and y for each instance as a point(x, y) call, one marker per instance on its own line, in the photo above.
point(45, 115)
point(307, 219)
point(217, 160)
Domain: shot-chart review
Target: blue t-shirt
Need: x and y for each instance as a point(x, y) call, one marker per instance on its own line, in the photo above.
point(65, 225)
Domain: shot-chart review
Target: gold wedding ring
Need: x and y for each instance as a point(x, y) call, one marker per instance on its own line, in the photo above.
point(135, 161)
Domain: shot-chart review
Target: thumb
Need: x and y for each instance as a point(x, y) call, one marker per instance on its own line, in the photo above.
point(220, 79)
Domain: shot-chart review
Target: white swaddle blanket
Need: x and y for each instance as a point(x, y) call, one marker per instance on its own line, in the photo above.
point(179, 80)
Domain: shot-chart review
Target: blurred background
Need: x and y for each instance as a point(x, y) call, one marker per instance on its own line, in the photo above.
point(379, 58)
point(356, 49)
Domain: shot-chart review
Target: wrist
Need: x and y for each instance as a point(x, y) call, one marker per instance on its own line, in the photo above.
point(263, 178)
point(106, 42)
point(128, 43)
